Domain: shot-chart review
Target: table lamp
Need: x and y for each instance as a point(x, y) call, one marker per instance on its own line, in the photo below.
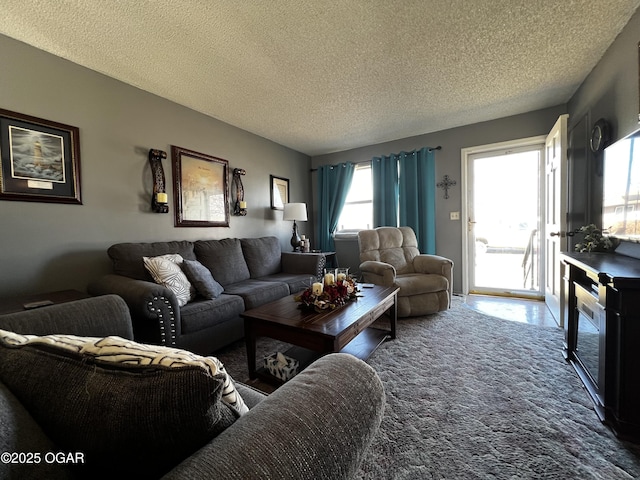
point(295, 211)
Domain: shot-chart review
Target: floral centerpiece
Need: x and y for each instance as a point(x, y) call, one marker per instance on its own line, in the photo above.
point(329, 294)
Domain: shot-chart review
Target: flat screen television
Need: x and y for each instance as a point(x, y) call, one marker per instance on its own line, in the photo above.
point(621, 189)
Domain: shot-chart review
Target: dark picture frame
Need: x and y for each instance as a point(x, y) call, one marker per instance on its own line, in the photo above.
point(200, 189)
point(39, 160)
point(279, 192)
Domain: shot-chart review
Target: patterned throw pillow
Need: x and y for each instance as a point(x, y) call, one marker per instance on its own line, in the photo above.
point(166, 271)
point(147, 406)
point(119, 351)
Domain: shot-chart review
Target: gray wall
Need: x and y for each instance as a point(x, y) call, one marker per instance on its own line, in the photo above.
point(448, 162)
point(610, 92)
point(611, 89)
point(46, 246)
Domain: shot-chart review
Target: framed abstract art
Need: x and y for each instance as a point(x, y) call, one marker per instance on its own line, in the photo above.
point(200, 189)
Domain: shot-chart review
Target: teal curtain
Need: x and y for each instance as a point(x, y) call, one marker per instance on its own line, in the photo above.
point(384, 174)
point(417, 201)
point(334, 182)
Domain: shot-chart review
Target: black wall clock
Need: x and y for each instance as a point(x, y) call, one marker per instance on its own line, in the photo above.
point(600, 135)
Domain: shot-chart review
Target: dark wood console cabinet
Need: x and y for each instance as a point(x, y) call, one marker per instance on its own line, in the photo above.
point(602, 334)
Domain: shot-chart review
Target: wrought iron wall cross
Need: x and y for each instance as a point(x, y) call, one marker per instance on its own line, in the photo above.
point(446, 183)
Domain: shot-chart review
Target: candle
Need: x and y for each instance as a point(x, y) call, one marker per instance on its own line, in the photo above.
point(243, 205)
point(342, 277)
point(329, 279)
point(317, 288)
point(303, 237)
point(161, 197)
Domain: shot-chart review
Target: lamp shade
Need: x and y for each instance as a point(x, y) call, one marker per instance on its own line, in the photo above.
point(295, 211)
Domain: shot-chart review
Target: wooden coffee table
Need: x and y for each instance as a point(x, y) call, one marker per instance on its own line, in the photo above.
point(346, 329)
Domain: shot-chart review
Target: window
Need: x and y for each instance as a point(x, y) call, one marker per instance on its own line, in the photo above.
point(620, 210)
point(357, 212)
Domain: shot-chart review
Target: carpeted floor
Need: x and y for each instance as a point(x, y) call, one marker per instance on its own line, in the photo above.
point(471, 396)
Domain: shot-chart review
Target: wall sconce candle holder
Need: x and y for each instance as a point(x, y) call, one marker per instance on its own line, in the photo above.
point(159, 199)
point(240, 208)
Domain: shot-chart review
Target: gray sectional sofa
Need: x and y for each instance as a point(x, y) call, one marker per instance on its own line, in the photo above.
point(68, 416)
point(251, 272)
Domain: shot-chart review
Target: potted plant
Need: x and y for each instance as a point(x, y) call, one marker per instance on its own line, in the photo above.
point(594, 240)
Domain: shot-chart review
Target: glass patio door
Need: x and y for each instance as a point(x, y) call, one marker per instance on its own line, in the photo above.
point(504, 221)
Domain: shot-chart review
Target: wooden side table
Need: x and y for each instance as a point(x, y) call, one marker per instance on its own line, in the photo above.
point(38, 300)
point(329, 259)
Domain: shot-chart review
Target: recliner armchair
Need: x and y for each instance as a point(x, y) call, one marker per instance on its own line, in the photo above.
point(390, 257)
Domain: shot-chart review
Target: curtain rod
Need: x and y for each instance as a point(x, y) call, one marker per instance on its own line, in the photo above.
point(439, 147)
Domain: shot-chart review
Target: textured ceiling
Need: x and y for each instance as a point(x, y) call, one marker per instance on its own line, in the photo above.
point(321, 76)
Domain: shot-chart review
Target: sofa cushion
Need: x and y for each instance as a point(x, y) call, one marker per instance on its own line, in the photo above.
point(263, 255)
point(224, 259)
point(166, 271)
point(201, 278)
point(203, 314)
point(250, 395)
point(132, 409)
point(258, 292)
point(296, 281)
point(127, 257)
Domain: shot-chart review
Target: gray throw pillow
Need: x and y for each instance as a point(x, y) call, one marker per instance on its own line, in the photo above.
point(130, 420)
point(201, 278)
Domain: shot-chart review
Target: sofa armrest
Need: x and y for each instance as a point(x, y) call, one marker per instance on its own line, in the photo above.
point(92, 317)
point(154, 309)
point(432, 264)
point(435, 264)
point(318, 425)
point(311, 263)
point(379, 273)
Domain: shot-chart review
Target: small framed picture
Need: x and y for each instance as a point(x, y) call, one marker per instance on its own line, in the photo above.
point(200, 189)
point(39, 160)
point(279, 192)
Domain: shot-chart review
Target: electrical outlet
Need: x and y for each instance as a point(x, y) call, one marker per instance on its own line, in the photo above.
point(454, 215)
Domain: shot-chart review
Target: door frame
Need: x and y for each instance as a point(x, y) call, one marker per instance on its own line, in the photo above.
point(465, 153)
